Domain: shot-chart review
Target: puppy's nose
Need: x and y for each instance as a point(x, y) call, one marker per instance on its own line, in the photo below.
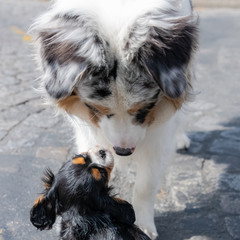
point(123, 151)
point(102, 154)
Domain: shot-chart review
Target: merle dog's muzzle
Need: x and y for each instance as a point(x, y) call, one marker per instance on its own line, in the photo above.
point(123, 151)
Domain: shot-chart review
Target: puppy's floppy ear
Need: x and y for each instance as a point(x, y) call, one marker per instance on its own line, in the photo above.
point(43, 212)
point(121, 210)
point(69, 46)
point(163, 45)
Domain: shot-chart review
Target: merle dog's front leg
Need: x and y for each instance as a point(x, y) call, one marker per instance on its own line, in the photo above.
point(152, 163)
point(144, 195)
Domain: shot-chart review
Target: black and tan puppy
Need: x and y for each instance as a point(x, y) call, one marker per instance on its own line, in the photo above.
point(80, 195)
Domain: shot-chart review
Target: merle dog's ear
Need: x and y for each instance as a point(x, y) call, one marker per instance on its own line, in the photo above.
point(69, 46)
point(163, 46)
point(43, 212)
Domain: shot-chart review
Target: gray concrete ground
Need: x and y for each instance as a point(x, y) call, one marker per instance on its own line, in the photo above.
point(201, 197)
point(216, 3)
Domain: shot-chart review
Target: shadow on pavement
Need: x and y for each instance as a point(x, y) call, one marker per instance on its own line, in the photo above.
point(208, 221)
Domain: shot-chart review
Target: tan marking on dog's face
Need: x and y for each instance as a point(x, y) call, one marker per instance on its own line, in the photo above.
point(38, 200)
point(73, 105)
point(96, 174)
point(109, 171)
point(79, 160)
point(150, 118)
point(176, 102)
point(94, 118)
point(139, 108)
point(102, 110)
point(98, 109)
point(96, 112)
point(135, 108)
point(68, 103)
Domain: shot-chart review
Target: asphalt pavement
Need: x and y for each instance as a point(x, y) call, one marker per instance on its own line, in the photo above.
point(201, 196)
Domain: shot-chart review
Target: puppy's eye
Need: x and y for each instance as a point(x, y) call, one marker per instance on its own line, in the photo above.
point(109, 116)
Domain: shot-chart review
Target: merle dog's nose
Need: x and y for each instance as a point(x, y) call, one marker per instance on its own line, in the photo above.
point(123, 151)
point(102, 154)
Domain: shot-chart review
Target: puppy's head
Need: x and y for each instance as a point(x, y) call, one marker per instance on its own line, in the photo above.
point(121, 79)
point(93, 170)
point(81, 183)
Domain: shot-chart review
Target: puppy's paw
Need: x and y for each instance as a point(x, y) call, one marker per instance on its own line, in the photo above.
point(183, 141)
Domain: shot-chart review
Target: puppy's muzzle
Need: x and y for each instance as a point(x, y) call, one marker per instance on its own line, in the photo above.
point(102, 154)
point(123, 151)
point(101, 157)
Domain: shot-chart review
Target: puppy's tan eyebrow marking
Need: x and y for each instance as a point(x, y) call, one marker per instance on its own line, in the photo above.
point(79, 160)
point(96, 174)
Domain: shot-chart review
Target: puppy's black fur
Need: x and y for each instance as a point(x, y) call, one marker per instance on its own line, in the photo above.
point(79, 193)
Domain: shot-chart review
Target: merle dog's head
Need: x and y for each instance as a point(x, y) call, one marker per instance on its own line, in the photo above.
point(81, 183)
point(121, 69)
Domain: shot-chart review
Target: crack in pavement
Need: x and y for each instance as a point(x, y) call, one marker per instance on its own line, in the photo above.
point(19, 123)
point(19, 104)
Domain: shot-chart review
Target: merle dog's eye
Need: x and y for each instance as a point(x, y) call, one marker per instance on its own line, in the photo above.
point(110, 115)
point(92, 108)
